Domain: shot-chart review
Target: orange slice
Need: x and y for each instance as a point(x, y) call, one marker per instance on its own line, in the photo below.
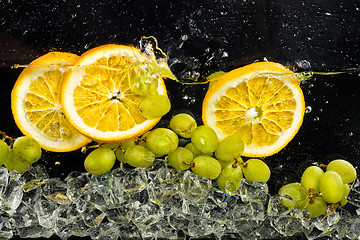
point(262, 102)
point(99, 97)
point(36, 106)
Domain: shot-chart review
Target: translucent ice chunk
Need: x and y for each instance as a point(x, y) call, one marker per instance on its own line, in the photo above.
point(12, 196)
point(195, 188)
point(44, 210)
point(75, 184)
point(35, 231)
point(252, 191)
point(286, 225)
point(55, 190)
point(135, 181)
point(199, 227)
point(275, 207)
point(4, 177)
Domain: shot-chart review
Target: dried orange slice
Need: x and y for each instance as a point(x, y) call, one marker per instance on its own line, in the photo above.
point(262, 102)
point(101, 96)
point(36, 105)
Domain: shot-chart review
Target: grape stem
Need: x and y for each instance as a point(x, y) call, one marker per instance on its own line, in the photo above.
point(189, 164)
point(332, 209)
point(6, 137)
point(322, 165)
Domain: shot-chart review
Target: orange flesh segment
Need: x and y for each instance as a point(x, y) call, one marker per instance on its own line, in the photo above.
point(272, 104)
point(42, 106)
point(92, 97)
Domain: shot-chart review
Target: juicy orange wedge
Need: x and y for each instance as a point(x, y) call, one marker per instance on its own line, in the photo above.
point(36, 105)
point(261, 102)
point(101, 95)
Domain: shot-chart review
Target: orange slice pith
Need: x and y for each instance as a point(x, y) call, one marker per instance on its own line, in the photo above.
point(98, 97)
point(36, 107)
point(262, 102)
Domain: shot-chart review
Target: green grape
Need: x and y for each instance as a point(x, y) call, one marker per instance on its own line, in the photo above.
point(204, 139)
point(143, 84)
point(194, 151)
point(16, 162)
point(256, 170)
point(213, 77)
point(316, 206)
point(4, 152)
point(229, 179)
point(110, 145)
point(180, 158)
point(310, 178)
point(139, 156)
point(225, 164)
point(206, 166)
point(128, 143)
point(343, 200)
point(293, 195)
point(142, 140)
point(119, 153)
point(155, 106)
point(183, 124)
point(331, 187)
point(27, 148)
point(230, 148)
point(162, 141)
point(100, 161)
point(345, 169)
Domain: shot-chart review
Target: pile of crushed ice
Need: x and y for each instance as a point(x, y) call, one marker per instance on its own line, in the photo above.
point(155, 203)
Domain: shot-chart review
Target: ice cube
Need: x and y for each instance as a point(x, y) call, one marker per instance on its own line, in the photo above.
point(44, 210)
point(76, 184)
point(252, 191)
point(4, 178)
point(195, 188)
point(286, 225)
point(55, 190)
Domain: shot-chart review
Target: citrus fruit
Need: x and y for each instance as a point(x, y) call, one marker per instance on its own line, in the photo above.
point(101, 96)
point(261, 102)
point(36, 106)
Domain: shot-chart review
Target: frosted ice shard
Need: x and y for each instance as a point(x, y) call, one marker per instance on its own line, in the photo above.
point(253, 191)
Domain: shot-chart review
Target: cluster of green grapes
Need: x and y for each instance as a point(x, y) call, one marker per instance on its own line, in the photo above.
point(22, 152)
point(318, 188)
point(201, 152)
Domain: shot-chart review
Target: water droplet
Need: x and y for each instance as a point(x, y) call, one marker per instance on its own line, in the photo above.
point(351, 134)
point(308, 109)
point(184, 37)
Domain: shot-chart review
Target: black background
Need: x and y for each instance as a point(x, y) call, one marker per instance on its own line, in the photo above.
point(200, 38)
